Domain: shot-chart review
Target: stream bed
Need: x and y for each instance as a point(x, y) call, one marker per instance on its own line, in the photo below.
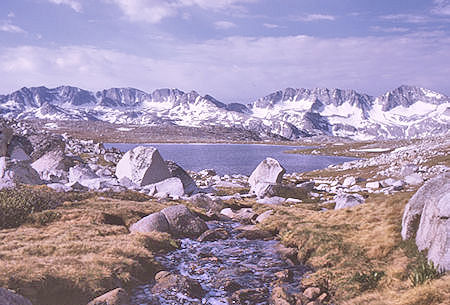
point(222, 267)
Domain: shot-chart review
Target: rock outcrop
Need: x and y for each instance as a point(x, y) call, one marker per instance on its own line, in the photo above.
point(427, 215)
point(431, 191)
point(143, 166)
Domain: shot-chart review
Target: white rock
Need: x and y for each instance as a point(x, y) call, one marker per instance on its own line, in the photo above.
point(269, 171)
point(171, 187)
point(373, 185)
point(347, 200)
point(413, 179)
point(432, 191)
point(271, 200)
point(349, 181)
point(81, 172)
point(143, 166)
point(59, 187)
point(433, 233)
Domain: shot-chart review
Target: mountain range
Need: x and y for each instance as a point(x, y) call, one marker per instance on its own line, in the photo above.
point(406, 112)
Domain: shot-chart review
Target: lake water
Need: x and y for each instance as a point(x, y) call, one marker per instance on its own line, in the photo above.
point(236, 158)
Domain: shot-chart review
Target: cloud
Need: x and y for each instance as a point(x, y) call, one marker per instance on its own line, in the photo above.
point(442, 7)
point(389, 29)
point(241, 68)
point(154, 11)
point(406, 18)
point(73, 4)
point(315, 17)
point(224, 25)
point(271, 25)
point(7, 26)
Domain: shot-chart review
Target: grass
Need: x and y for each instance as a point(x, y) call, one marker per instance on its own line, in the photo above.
point(358, 251)
point(67, 256)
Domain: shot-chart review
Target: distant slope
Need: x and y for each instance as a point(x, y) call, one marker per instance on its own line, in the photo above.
point(406, 112)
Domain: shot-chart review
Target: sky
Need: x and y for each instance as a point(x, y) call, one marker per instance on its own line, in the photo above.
point(234, 50)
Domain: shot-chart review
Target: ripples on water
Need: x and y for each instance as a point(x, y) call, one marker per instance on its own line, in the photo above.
point(236, 158)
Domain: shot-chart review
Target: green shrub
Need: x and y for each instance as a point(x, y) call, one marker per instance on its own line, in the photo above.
point(18, 203)
point(423, 272)
point(368, 280)
point(43, 218)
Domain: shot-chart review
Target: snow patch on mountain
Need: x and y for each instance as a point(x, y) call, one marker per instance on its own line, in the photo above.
point(291, 113)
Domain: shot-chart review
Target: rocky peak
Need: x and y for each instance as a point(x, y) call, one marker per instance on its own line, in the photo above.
point(121, 97)
point(408, 95)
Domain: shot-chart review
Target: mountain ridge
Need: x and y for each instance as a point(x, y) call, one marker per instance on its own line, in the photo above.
point(405, 112)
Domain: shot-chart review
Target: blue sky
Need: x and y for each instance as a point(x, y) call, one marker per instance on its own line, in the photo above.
point(235, 50)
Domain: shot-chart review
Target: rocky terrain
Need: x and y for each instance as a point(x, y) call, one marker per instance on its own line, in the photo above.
point(78, 221)
point(290, 114)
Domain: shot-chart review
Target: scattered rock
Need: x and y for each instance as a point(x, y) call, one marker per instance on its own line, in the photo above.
point(153, 222)
point(166, 280)
point(373, 185)
point(287, 254)
point(183, 223)
point(81, 172)
point(6, 135)
point(280, 296)
point(9, 297)
point(143, 166)
point(349, 181)
point(347, 200)
point(115, 297)
point(171, 187)
point(269, 171)
point(262, 217)
point(244, 215)
point(207, 203)
point(408, 169)
point(271, 200)
point(254, 234)
point(188, 183)
point(396, 184)
point(284, 275)
point(311, 292)
point(213, 235)
point(413, 179)
point(17, 172)
point(249, 296)
point(280, 190)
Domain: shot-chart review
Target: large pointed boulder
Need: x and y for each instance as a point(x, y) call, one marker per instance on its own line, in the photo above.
point(269, 171)
point(143, 166)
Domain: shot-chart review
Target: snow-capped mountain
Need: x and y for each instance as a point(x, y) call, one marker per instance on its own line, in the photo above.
point(290, 113)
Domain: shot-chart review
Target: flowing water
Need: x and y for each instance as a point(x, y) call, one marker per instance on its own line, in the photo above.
point(249, 263)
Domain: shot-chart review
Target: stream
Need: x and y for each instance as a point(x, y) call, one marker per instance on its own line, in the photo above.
point(222, 267)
